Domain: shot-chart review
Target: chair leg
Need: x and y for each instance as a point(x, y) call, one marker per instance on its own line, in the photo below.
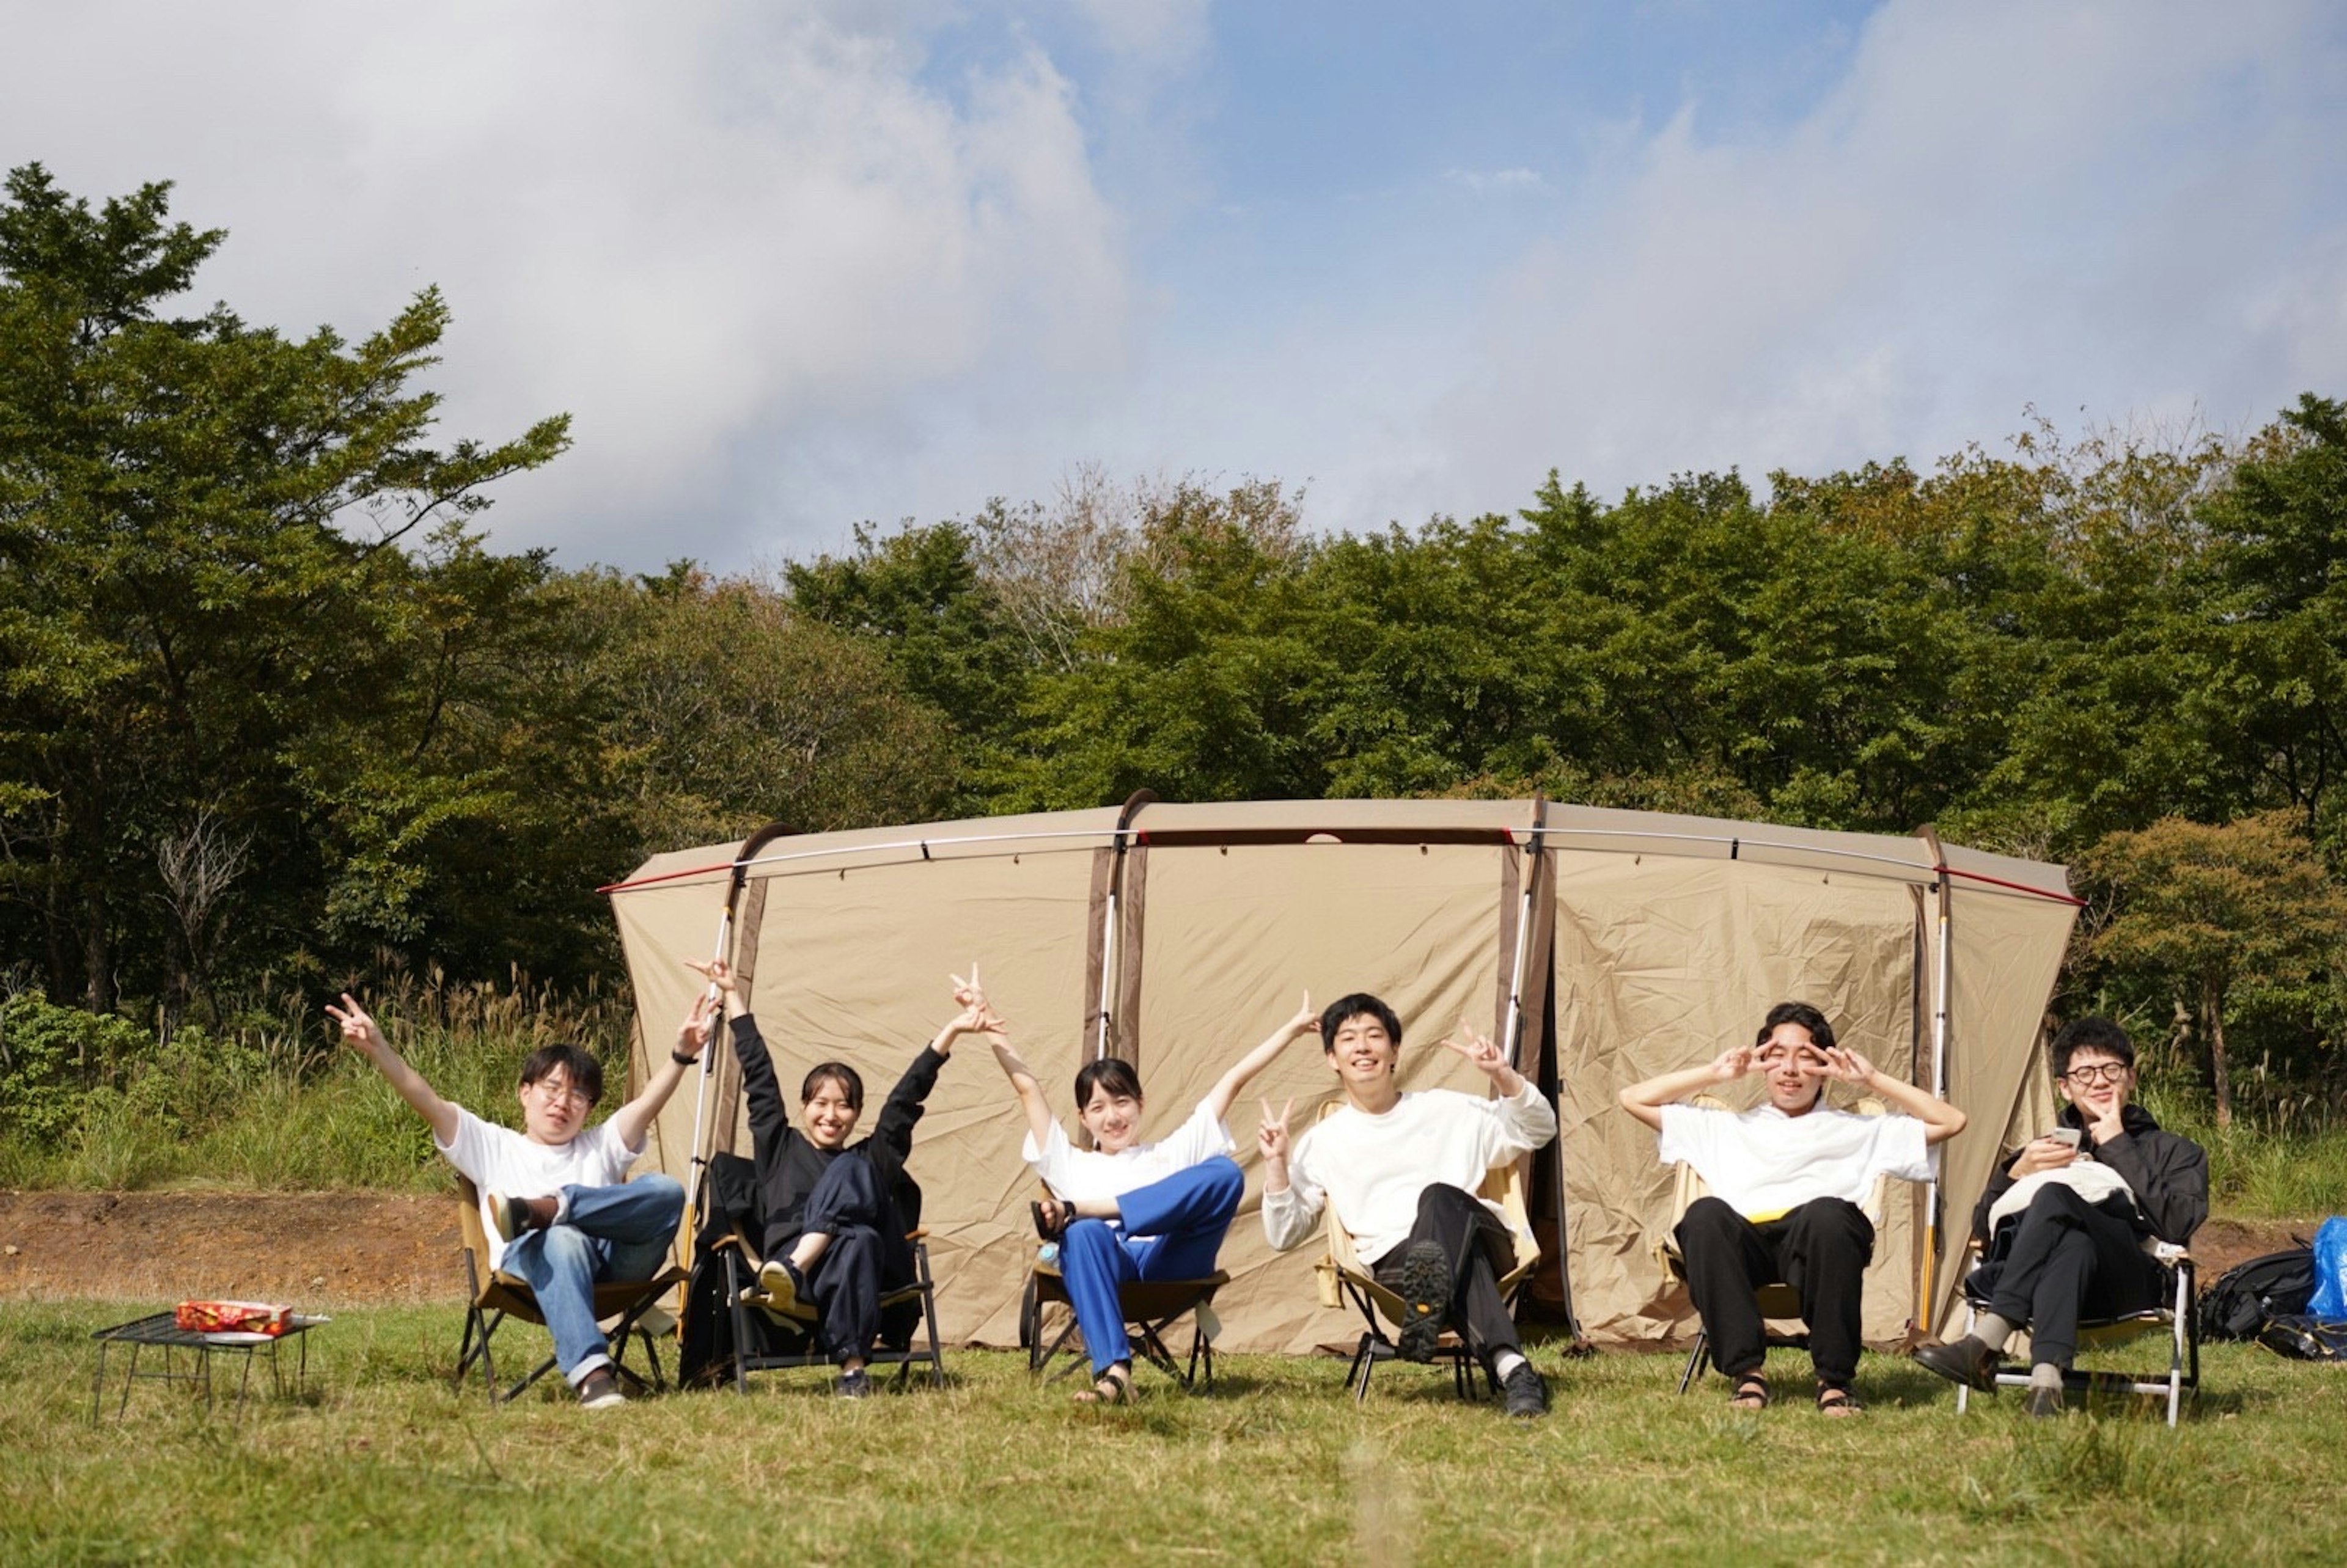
point(741, 1317)
point(1696, 1359)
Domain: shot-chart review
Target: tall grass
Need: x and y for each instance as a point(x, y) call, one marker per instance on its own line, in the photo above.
point(2263, 1166)
point(273, 1101)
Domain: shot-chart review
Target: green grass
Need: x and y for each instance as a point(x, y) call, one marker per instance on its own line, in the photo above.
point(381, 1463)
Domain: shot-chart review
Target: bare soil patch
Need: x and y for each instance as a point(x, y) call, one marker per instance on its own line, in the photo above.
point(321, 1249)
point(311, 1249)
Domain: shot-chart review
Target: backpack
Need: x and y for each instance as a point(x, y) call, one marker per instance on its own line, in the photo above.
point(2305, 1338)
point(2238, 1304)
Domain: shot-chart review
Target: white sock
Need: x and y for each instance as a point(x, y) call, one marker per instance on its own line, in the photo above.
point(1991, 1330)
point(1504, 1362)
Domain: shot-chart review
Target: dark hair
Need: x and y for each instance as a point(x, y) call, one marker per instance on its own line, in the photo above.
point(1801, 1013)
point(1112, 1073)
point(850, 1081)
point(585, 1074)
point(1337, 1014)
point(2090, 1034)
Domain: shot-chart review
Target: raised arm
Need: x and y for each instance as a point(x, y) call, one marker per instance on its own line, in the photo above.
point(770, 1117)
point(902, 1110)
point(363, 1035)
point(1940, 1119)
point(634, 1118)
point(1645, 1100)
point(1227, 1088)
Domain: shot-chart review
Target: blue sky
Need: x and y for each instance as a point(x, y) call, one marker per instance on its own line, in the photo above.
point(793, 266)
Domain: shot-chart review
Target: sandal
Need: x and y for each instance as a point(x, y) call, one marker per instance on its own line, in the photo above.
point(1751, 1393)
point(1839, 1402)
point(1051, 1217)
point(1114, 1386)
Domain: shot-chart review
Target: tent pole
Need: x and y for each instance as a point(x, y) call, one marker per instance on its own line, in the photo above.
point(1940, 981)
point(697, 1164)
point(1109, 991)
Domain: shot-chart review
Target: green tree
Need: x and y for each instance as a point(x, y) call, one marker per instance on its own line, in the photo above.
point(199, 571)
point(2211, 909)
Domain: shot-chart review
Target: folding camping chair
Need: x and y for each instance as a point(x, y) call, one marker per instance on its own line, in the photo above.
point(2174, 1318)
point(1151, 1307)
point(746, 1296)
point(1343, 1276)
point(496, 1296)
point(1779, 1302)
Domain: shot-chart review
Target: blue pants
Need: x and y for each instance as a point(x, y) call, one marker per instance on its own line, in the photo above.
point(599, 1235)
point(1171, 1229)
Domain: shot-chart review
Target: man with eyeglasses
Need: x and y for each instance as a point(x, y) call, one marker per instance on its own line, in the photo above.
point(559, 1209)
point(2068, 1217)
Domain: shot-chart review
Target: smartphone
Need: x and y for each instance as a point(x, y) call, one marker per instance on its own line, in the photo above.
point(2067, 1135)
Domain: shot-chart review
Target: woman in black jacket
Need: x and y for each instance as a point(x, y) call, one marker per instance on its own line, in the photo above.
point(2068, 1217)
point(836, 1214)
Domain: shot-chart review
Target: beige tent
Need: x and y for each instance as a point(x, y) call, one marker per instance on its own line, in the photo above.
point(1605, 946)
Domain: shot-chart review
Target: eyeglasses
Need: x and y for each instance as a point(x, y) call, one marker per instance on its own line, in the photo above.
point(2094, 1073)
point(558, 1092)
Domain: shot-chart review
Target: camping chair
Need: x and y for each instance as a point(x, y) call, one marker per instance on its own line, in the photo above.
point(1151, 1307)
point(746, 1296)
point(1779, 1302)
point(1343, 1277)
point(2175, 1319)
point(496, 1296)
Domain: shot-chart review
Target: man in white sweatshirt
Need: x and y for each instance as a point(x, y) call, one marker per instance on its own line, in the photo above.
point(1402, 1170)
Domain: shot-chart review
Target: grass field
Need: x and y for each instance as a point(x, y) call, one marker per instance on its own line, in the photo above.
point(381, 1463)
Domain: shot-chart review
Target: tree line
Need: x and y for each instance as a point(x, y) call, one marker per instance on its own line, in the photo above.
point(273, 707)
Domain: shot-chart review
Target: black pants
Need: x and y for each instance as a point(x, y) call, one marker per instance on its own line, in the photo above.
point(848, 1207)
point(1478, 1250)
point(1820, 1249)
point(2069, 1258)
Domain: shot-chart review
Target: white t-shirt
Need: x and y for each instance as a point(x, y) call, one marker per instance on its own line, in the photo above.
point(500, 1160)
point(1077, 1175)
point(1762, 1162)
point(1373, 1168)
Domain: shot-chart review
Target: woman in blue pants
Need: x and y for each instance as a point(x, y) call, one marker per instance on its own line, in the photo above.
point(1125, 1210)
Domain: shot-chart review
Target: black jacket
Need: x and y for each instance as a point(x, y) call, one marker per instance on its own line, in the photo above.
point(2169, 1172)
point(788, 1165)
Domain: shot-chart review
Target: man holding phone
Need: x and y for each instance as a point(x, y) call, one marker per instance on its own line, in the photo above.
point(2068, 1217)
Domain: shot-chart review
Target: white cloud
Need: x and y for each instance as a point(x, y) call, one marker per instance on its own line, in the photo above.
point(2129, 207)
point(703, 229)
point(1485, 181)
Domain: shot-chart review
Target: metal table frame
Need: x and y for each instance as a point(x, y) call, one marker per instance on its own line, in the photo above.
point(160, 1330)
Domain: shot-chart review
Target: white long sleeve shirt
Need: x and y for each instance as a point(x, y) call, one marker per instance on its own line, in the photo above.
point(1374, 1167)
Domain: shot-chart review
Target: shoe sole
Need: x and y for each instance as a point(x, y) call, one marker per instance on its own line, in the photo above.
point(1424, 1290)
point(781, 1290)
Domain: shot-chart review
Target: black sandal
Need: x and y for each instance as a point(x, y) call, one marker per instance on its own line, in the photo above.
point(1839, 1402)
point(1751, 1393)
point(1111, 1388)
point(1045, 1229)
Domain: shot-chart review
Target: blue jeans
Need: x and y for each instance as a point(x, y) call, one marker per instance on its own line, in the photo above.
point(599, 1235)
point(1172, 1230)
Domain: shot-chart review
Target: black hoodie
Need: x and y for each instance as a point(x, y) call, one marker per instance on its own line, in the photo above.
point(2169, 1172)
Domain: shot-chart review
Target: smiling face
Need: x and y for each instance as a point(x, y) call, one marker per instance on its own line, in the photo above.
point(1361, 1052)
point(1794, 1069)
point(1112, 1119)
point(2098, 1083)
point(553, 1109)
point(830, 1113)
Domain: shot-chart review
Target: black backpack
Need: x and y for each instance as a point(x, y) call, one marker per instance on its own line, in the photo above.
point(2277, 1284)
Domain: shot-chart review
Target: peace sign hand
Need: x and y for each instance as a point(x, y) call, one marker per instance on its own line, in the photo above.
point(1479, 1049)
point(1271, 1137)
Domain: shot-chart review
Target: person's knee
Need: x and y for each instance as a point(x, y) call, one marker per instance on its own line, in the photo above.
point(663, 1188)
point(1706, 1219)
point(563, 1251)
point(1835, 1225)
point(1222, 1179)
point(1087, 1240)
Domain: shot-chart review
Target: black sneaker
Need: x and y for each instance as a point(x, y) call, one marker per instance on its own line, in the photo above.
point(1966, 1360)
point(600, 1390)
point(1525, 1391)
point(855, 1385)
point(1424, 1287)
point(517, 1218)
point(784, 1286)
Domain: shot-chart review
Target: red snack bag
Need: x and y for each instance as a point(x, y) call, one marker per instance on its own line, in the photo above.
point(233, 1317)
